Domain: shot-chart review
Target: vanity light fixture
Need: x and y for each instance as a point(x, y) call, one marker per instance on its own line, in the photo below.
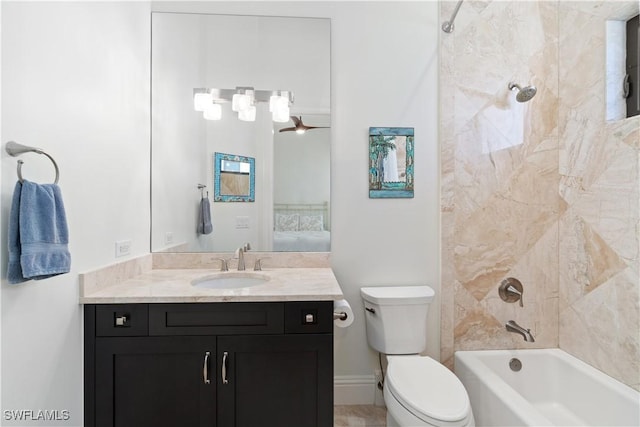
point(243, 101)
point(212, 111)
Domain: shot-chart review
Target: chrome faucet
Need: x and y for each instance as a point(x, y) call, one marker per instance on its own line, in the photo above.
point(512, 326)
point(240, 255)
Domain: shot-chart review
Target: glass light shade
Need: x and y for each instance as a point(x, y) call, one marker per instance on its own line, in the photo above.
point(300, 131)
point(213, 112)
point(248, 114)
point(281, 114)
point(240, 101)
point(273, 100)
point(201, 101)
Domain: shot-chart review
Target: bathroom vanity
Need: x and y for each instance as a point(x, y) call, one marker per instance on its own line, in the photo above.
point(162, 352)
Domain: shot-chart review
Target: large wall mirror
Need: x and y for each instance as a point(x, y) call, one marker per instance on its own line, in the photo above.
point(290, 206)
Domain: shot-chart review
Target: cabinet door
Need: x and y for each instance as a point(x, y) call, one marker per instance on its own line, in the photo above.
point(155, 382)
point(275, 381)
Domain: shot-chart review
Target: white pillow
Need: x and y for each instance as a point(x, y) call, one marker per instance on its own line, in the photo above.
point(311, 223)
point(287, 222)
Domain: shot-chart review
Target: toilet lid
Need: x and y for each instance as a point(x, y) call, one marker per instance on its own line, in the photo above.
point(427, 389)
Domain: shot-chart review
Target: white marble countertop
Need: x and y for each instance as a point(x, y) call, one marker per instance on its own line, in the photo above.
point(175, 285)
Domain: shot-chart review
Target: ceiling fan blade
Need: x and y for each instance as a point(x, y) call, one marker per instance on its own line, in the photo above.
point(317, 127)
point(288, 129)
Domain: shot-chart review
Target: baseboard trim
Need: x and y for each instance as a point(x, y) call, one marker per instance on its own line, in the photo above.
point(354, 390)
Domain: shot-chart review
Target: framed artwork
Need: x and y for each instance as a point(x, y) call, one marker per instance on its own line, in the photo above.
point(234, 178)
point(390, 162)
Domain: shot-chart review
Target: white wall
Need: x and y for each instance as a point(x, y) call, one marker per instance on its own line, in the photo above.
point(75, 82)
point(384, 73)
point(179, 133)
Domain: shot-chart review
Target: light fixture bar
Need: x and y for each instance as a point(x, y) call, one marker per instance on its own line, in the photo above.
point(226, 95)
point(243, 100)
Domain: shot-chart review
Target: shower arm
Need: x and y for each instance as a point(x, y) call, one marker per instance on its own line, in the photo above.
point(447, 26)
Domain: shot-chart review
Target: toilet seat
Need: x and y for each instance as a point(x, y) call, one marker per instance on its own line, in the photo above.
point(428, 390)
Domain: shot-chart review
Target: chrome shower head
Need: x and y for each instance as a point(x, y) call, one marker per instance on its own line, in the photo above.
point(524, 93)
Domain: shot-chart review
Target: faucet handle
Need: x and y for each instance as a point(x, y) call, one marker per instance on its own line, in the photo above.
point(247, 247)
point(258, 265)
point(511, 290)
point(224, 264)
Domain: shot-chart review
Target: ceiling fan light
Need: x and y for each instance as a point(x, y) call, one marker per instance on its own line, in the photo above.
point(201, 101)
point(300, 131)
point(213, 112)
point(248, 114)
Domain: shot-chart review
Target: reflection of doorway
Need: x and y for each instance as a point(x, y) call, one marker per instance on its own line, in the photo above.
point(302, 164)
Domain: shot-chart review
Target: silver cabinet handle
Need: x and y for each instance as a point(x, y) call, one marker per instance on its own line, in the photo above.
point(626, 86)
point(224, 368)
point(205, 368)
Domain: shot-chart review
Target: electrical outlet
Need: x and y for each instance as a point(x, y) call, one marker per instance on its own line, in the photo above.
point(123, 247)
point(242, 222)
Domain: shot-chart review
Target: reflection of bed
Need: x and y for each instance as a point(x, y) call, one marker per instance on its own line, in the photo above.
point(301, 227)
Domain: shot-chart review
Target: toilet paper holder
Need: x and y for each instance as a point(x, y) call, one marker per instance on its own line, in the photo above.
point(340, 315)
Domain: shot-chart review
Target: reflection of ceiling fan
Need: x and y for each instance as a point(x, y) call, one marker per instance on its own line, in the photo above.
point(300, 127)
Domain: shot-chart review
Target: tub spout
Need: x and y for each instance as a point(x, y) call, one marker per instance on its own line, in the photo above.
point(512, 326)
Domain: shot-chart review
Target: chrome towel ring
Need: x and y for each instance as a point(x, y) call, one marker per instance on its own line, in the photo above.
point(14, 149)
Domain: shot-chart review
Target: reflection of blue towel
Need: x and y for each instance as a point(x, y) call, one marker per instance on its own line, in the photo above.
point(204, 218)
point(38, 233)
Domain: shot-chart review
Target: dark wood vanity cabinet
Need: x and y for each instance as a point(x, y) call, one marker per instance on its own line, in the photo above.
point(209, 364)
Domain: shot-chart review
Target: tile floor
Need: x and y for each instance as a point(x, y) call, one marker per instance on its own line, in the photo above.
point(359, 415)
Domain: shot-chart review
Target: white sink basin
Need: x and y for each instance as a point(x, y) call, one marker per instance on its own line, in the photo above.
point(230, 280)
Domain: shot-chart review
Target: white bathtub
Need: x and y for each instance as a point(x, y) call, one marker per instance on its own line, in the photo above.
point(553, 388)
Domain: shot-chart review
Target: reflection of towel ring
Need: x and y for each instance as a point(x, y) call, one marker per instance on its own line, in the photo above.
point(15, 149)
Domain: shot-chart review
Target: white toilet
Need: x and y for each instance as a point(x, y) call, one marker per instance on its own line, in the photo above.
point(418, 390)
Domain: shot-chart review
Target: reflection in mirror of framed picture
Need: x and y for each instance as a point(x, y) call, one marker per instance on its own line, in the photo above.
point(234, 178)
point(390, 163)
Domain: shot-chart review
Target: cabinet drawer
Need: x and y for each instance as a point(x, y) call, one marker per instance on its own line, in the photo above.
point(309, 317)
point(122, 320)
point(216, 318)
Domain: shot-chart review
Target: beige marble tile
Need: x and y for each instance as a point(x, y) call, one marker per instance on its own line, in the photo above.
point(270, 259)
point(602, 328)
point(94, 281)
point(360, 415)
point(547, 192)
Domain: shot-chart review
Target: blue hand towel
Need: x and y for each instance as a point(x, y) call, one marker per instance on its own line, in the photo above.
point(43, 234)
point(204, 220)
point(14, 270)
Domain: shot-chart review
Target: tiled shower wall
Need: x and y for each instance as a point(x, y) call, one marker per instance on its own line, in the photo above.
point(544, 191)
point(599, 182)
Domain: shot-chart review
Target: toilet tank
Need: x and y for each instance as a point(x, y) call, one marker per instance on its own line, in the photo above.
point(396, 317)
